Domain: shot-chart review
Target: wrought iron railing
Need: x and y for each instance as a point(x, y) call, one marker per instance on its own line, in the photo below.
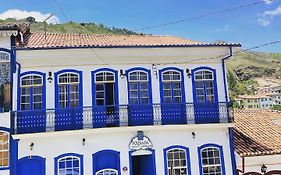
point(117, 116)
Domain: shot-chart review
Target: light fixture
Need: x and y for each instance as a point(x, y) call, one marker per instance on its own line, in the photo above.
point(154, 68)
point(31, 146)
point(263, 168)
point(122, 74)
point(193, 135)
point(188, 73)
point(50, 79)
point(83, 141)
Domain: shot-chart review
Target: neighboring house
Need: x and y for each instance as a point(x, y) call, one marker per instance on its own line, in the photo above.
point(116, 104)
point(258, 101)
point(257, 140)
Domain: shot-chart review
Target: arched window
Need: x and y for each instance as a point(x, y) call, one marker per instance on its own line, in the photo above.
point(107, 172)
point(68, 90)
point(138, 87)
point(31, 92)
point(172, 86)
point(4, 149)
point(177, 161)
point(211, 160)
point(105, 88)
point(205, 88)
point(69, 164)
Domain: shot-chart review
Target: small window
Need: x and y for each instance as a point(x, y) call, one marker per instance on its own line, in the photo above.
point(4, 149)
point(177, 161)
point(69, 166)
point(211, 161)
point(107, 172)
point(103, 77)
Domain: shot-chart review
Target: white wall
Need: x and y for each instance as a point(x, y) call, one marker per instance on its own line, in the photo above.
point(253, 164)
point(51, 145)
point(5, 42)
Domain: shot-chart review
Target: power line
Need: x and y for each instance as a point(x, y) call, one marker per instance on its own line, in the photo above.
point(62, 11)
point(203, 15)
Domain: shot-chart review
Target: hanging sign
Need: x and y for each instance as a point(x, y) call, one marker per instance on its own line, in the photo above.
point(140, 142)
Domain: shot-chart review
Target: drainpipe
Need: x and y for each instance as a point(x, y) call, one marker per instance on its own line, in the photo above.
point(243, 165)
point(224, 74)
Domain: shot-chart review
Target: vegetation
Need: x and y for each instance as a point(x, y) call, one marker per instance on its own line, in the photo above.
point(277, 107)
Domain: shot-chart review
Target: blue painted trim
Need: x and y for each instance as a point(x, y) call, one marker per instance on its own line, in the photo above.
point(5, 50)
point(153, 159)
point(193, 71)
point(224, 74)
point(40, 159)
point(232, 154)
point(116, 93)
point(161, 83)
point(221, 156)
point(13, 155)
point(135, 46)
point(149, 82)
point(187, 157)
point(79, 156)
point(28, 73)
point(57, 86)
point(113, 152)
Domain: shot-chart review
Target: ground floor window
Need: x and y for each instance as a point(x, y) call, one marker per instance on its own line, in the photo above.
point(107, 172)
point(4, 149)
point(69, 164)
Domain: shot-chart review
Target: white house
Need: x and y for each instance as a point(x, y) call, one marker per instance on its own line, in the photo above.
point(116, 104)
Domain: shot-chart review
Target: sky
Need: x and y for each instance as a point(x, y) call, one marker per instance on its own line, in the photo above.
point(250, 26)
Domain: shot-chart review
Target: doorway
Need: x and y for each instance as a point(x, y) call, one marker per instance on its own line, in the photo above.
point(143, 164)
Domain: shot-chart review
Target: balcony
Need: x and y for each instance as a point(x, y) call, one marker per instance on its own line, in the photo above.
point(118, 116)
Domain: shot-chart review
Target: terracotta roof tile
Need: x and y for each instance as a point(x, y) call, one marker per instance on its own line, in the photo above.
point(257, 132)
point(39, 40)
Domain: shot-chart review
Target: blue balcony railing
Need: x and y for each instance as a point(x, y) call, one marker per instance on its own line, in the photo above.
point(117, 116)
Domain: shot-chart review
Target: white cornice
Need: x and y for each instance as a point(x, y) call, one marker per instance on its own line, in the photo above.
point(8, 32)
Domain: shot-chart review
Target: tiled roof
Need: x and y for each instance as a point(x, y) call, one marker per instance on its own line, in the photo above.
point(257, 96)
point(21, 26)
point(40, 40)
point(257, 132)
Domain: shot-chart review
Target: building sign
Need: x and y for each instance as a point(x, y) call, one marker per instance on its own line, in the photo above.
point(140, 142)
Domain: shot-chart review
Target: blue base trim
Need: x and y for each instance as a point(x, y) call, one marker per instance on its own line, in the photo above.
point(231, 144)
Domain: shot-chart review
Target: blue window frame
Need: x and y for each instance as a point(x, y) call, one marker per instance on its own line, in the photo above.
point(204, 85)
point(139, 86)
point(211, 159)
point(69, 164)
point(32, 91)
point(177, 160)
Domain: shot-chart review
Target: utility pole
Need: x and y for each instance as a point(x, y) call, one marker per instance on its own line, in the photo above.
point(45, 25)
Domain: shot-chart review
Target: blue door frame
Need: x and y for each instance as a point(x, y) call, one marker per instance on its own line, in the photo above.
point(148, 165)
point(34, 165)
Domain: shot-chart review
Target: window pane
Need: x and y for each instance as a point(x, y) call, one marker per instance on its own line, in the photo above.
point(4, 149)
point(211, 163)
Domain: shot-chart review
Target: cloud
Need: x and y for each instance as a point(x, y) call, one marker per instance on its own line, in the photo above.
point(266, 17)
point(268, 1)
point(223, 29)
point(21, 14)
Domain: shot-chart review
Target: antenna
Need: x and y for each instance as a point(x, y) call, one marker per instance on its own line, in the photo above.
point(45, 24)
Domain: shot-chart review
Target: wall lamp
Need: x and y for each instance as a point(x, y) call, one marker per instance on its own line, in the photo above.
point(154, 68)
point(193, 135)
point(50, 79)
point(263, 168)
point(31, 146)
point(83, 141)
point(122, 74)
point(188, 73)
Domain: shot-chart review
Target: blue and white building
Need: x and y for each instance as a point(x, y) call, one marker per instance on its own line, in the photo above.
point(115, 105)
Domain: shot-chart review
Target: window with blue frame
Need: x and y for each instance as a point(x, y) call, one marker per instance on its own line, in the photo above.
point(172, 90)
point(31, 92)
point(177, 161)
point(204, 83)
point(105, 88)
point(4, 149)
point(69, 165)
point(211, 161)
point(138, 88)
point(107, 172)
point(68, 90)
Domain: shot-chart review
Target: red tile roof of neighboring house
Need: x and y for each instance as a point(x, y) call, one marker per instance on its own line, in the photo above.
point(257, 132)
point(40, 40)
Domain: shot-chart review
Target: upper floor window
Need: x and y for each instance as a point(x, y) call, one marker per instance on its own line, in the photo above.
point(31, 92)
point(204, 83)
point(69, 164)
point(107, 172)
point(172, 86)
point(138, 87)
point(4, 149)
point(105, 88)
point(68, 90)
point(177, 161)
point(211, 160)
